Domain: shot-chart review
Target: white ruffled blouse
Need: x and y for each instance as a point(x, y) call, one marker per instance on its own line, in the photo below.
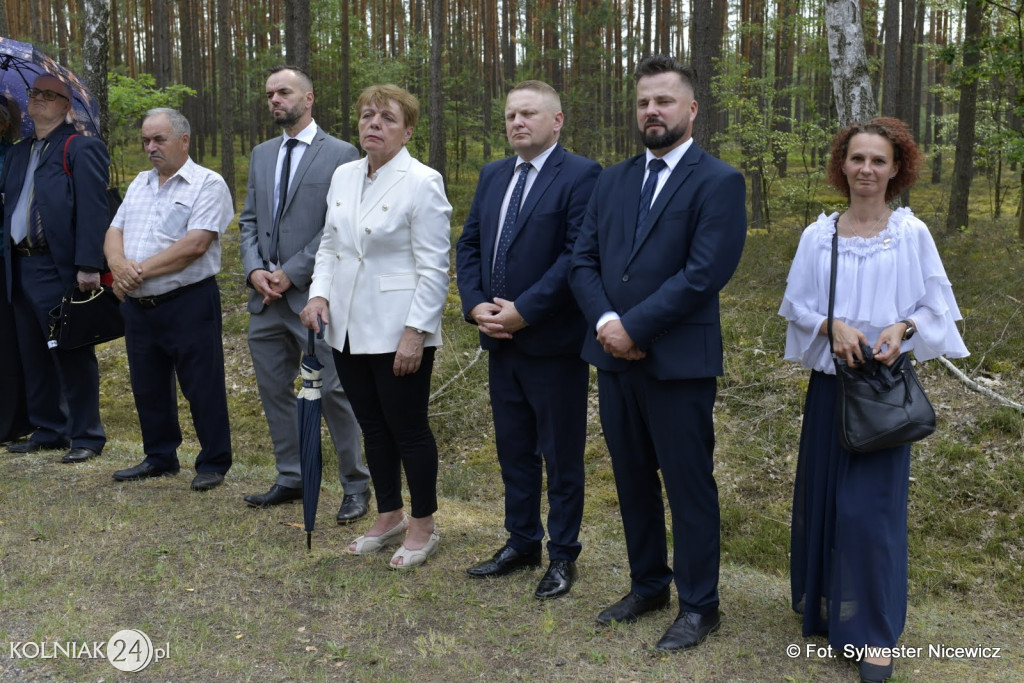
point(880, 280)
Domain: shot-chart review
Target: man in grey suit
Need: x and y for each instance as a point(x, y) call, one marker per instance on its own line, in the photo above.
point(281, 225)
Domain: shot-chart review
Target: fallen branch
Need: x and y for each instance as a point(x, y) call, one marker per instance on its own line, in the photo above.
point(979, 388)
point(460, 373)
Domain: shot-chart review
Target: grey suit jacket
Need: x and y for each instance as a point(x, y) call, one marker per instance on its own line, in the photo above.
point(303, 221)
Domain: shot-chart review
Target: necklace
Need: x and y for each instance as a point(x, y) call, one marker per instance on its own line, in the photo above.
point(871, 230)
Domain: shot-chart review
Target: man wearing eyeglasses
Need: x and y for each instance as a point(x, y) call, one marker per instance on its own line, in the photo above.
point(55, 219)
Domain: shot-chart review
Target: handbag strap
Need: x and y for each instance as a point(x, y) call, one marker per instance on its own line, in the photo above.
point(832, 286)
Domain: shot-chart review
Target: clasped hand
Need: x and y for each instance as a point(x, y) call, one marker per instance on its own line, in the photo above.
point(499, 320)
point(615, 340)
point(127, 275)
point(271, 285)
point(847, 340)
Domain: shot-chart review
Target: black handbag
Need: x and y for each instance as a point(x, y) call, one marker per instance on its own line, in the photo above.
point(85, 318)
point(877, 406)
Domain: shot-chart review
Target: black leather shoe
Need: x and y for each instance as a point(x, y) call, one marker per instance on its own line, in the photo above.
point(353, 506)
point(79, 455)
point(505, 561)
point(875, 673)
point(275, 496)
point(689, 630)
point(557, 581)
point(205, 481)
point(30, 446)
point(633, 606)
point(141, 471)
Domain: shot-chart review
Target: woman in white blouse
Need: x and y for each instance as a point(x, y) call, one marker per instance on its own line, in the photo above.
point(380, 283)
point(848, 562)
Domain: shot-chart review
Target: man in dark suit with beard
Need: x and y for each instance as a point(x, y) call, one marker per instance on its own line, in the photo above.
point(662, 236)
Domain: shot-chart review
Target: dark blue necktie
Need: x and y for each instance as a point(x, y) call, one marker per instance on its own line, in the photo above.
point(499, 274)
point(282, 196)
point(647, 196)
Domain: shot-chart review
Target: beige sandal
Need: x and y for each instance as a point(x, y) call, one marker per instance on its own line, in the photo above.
point(365, 545)
point(414, 558)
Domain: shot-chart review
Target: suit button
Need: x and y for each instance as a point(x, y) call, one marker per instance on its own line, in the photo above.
point(368, 231)
point(625, 278)
point(338, 203)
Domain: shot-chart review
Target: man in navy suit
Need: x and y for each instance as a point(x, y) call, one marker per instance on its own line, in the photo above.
point(662, 236)
point(55, 214)
point(512, 265)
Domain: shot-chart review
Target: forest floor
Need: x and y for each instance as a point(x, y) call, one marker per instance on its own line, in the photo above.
point(226, 592)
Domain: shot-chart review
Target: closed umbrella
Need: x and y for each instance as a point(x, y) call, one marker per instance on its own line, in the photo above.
point(21, 63)
point(310, 456)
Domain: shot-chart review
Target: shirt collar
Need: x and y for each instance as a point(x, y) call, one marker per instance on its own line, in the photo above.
point(305, 135)
point(187, 172)
point(671, 158)
point(538, 161)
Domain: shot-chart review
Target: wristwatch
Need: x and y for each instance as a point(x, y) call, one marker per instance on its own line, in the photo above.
point(911, 328)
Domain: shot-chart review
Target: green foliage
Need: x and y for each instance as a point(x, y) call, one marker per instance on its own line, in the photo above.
point(129, 99)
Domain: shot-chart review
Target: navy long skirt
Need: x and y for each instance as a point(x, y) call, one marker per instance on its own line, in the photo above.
point(848, 561)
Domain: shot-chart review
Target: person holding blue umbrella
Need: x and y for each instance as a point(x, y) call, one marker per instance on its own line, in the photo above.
point(55, 219)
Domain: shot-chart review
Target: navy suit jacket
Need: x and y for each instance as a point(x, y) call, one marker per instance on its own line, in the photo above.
point(73, 208)
point(665, 287)
point(539, 255)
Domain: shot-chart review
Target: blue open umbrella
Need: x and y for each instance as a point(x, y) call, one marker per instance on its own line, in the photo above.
point(20, 63)
point(310, 456)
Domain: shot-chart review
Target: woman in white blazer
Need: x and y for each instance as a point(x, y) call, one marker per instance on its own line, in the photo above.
point(379, 285)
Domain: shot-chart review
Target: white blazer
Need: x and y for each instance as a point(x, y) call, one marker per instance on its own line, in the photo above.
point(383, 259)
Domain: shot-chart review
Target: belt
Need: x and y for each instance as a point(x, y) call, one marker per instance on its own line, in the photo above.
point(154, 301)
point(24, 249)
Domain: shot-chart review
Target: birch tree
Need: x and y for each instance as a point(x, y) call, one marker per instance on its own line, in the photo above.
point(94, 56)
point(851, 82)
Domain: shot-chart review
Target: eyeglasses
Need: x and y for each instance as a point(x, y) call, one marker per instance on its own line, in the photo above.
point(47, 95)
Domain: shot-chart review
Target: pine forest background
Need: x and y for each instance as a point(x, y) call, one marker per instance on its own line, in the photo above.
point(767, 106)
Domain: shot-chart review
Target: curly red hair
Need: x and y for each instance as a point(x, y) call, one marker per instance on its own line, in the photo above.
point(905, 153)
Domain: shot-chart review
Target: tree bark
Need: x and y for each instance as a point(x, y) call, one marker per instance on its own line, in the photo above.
point(438, 152)
point(905, 102)
point(296, 33)
point(891, 81)
point(851, 83)
point(161, 35)
point(95, 50)
point(963, 165)
point(226, 87)
point(706, 43)
point(346, 76)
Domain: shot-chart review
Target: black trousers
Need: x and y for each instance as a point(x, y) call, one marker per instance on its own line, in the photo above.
point(13, 411)
point(62, 386)
point(181, 339)
point(392, 413)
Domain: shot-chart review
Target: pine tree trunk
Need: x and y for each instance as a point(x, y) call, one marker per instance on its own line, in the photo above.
point(438, 151)
point(963, 165)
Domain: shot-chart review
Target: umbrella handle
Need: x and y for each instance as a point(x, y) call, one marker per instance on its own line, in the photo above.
point(313, 336)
